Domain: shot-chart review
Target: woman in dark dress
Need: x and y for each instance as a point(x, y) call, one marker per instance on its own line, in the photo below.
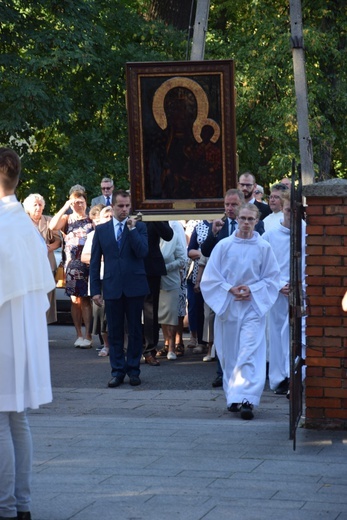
point(75, 227)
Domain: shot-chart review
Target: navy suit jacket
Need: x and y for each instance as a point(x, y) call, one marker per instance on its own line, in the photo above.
point(208, 245)
point(124, 269)
point(264, 209)
point(154, 262)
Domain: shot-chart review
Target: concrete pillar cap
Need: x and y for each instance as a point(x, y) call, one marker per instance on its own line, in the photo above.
point(329, 188)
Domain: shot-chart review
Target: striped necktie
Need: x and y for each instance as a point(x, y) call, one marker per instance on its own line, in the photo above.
point(232, 226)
point(108, 201)
point(119, 232)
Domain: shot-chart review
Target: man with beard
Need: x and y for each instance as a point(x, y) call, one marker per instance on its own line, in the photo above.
point(248, 186)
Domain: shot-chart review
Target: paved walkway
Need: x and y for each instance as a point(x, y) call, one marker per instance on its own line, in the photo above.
point(139, 454)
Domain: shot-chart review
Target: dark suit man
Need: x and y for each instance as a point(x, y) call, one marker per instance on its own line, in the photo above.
point(123, 244)
point(220, 229)
point(155, 269)
point(248, 186)
point(264, 209)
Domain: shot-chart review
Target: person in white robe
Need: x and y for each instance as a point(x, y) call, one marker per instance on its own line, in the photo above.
point(276, 205)
point(241, 283)
point(278, 317)
point(25, 281)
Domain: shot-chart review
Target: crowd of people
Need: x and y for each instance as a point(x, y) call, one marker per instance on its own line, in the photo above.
point(127, 278)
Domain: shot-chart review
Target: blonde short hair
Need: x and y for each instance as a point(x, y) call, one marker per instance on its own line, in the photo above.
point(96, 211)
point(105, 211)
point(250, 207)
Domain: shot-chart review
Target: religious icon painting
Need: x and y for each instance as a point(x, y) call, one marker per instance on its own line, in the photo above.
point(182, 138)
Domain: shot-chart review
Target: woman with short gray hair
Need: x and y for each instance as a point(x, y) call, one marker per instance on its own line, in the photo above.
point(34, 205)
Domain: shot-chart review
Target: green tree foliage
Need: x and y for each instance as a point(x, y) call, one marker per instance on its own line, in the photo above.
point(256, 34)
point(62, 98)
point(62, 73)
point(325, 26)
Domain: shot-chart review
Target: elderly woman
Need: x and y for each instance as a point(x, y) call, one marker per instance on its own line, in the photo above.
point(34, 205)
point(174, 254)
point(76, 227)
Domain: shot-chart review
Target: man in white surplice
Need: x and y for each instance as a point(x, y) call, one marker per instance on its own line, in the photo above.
point(25, 280)
point(279, 338)
point(241, 283)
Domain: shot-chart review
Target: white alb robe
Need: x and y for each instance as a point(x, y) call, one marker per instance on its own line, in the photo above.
point(240, 325)
point(278, 316)
point(272, 220)
point(25, 280)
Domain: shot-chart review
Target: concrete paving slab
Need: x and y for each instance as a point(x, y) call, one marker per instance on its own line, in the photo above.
point(170, 450)
point(144, 455)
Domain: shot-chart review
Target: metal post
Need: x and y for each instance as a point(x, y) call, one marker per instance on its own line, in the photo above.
point(305, 143)
point(200, 29)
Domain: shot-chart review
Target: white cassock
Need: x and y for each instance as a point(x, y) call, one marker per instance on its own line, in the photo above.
point(272, 220)
point(278, 316)
point(240, 325)
point(25, 280)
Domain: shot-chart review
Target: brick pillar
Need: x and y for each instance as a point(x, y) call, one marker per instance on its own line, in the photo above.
point(326, 277)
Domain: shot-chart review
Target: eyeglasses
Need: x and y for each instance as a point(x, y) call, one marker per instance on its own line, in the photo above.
point(280, 186)
point(245, 185)
point(106, 188)
point(257, 192)
point(275, 197)
point(247, 219)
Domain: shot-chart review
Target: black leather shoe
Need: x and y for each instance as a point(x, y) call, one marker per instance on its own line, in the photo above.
point(114, 382)
point(234, 407)
point(283, 387)
point(246, 410)
point(135, 381)
point(217, 382)
point(23, 515)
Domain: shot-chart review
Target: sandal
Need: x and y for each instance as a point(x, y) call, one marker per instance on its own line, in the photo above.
point(104, 352)
point(163, 352)
point(179, 349)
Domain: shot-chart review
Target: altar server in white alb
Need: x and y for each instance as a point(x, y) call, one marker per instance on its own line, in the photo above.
point(279, 338)
point(25, 280)
point(241, 283)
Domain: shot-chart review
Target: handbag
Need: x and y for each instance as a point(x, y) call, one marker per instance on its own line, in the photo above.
point(60, 277)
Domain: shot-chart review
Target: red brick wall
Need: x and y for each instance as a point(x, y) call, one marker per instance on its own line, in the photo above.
point(326, 333)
